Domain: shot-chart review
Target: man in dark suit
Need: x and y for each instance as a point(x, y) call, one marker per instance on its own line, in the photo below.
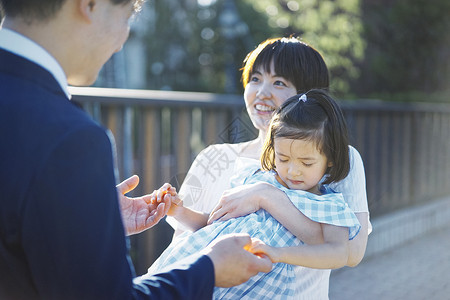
point(62, 220)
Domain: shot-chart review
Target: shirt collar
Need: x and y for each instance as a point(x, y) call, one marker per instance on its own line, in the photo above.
point(20, 45)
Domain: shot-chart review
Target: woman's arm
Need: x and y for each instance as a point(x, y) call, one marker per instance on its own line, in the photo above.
point(357, 246)
point(353, 188)
point(331, 254)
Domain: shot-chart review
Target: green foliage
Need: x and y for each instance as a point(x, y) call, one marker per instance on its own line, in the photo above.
point(371, 47)
point(408, 50)
point(172, 54)
point(194, 47)
point(413, 95)
point(190, 49)
point(334, 28)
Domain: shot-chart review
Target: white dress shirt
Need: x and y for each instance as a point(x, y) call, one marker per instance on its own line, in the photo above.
point(21, 45)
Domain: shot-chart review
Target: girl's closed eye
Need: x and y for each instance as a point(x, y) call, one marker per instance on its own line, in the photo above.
point(281, 158)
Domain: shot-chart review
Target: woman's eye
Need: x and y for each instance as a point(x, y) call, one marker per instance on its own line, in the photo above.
point(254, 79)
point(280, 83)
point(307, 165)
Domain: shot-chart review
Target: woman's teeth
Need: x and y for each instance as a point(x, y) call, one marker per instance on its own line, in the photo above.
point(264, 108)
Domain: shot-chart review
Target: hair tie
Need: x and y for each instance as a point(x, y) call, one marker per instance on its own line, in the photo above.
point(302, 98)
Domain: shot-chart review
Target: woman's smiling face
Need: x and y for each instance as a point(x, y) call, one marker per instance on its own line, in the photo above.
point(264, 93)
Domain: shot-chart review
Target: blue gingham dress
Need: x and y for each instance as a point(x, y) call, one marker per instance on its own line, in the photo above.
point(280, 283)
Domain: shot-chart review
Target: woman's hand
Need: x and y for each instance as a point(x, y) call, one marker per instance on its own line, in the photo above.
point(238, 201)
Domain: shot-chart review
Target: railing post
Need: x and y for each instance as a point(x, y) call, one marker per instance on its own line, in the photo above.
point(127, 142)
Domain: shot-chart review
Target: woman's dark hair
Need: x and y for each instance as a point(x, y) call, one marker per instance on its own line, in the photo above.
point(44, 9)
point(293, 59)
point(316, 117)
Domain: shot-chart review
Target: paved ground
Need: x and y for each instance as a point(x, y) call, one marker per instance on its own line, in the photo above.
point(417, 270)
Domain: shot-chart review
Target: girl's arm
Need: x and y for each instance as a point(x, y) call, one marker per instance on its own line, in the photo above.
point(280, 207)
point(207, 178)
point(332, 254)
point(189, 218)
point(250, 198)
point(246, 199)
point(285, 213)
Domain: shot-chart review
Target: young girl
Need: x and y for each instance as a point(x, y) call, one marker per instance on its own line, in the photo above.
point(307, 139)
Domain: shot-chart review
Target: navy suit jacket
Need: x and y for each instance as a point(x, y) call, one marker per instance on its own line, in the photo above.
point(61, 233)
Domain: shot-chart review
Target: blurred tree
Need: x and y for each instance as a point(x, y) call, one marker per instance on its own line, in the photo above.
point(171, 54)
point(198, 45)
point(408, 48)
point(371, 47)
point(333, 27)
point(2, 14)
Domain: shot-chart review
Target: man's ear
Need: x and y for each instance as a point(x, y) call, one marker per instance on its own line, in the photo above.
point(86, 8)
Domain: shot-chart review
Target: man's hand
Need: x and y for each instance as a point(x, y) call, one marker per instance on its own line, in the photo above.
point(259, 248)
point(233, 264)
point(139, 214)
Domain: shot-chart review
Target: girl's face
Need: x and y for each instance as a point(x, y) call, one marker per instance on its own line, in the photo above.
point(299, 164)
point(263, 94)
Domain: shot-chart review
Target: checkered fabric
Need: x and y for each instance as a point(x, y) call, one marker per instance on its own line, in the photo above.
point(280, 283)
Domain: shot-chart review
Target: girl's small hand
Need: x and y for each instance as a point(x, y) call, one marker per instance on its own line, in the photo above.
point(259, 248)
point(158, 195)
point(167, 194)
point(237, 202)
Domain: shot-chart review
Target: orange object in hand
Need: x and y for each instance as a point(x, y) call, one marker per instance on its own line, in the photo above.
point(247, 247)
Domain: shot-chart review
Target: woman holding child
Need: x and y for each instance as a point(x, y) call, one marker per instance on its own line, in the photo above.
point(275, 71)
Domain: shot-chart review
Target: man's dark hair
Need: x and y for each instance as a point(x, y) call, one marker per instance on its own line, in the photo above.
point(31, 9)
point(42, 9)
